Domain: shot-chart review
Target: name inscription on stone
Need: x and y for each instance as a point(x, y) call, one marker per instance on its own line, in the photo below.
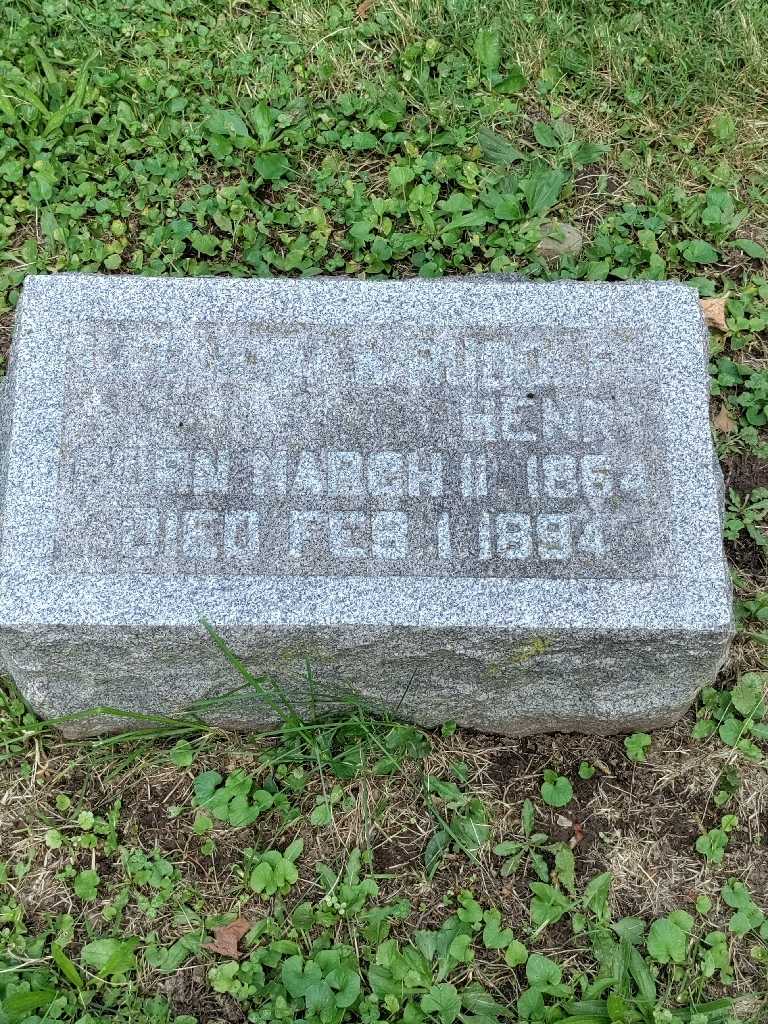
point(306, 451)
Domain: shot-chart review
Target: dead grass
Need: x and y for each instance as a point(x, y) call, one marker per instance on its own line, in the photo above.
point(639, 822)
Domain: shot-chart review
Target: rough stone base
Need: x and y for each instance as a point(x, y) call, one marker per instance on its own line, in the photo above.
point(513, 684)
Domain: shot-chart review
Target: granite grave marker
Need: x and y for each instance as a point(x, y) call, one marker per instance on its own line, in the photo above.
point(496, 504)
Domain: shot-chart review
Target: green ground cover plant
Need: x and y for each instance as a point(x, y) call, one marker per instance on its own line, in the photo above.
point(289, 933)
point(361, 869)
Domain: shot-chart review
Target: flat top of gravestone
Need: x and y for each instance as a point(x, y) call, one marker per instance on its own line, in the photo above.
point(325, 451)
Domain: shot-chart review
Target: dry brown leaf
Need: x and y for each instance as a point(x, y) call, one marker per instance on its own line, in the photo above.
point(364, 7)
point(724, 422)
point(578, 835)
point(226, 938)
point(714, 313)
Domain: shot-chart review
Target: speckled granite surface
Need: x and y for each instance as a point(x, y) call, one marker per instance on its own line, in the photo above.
point(497, 504)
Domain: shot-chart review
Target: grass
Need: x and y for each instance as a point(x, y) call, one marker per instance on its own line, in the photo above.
point(363, 837)
point(408, 138)
point(385, 873)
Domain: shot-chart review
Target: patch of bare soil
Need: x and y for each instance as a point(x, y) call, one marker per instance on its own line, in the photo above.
point(743, 473)
point(188, 991)
point(6, 327)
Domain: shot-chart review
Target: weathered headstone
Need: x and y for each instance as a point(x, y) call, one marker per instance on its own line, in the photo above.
point(495, 504)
